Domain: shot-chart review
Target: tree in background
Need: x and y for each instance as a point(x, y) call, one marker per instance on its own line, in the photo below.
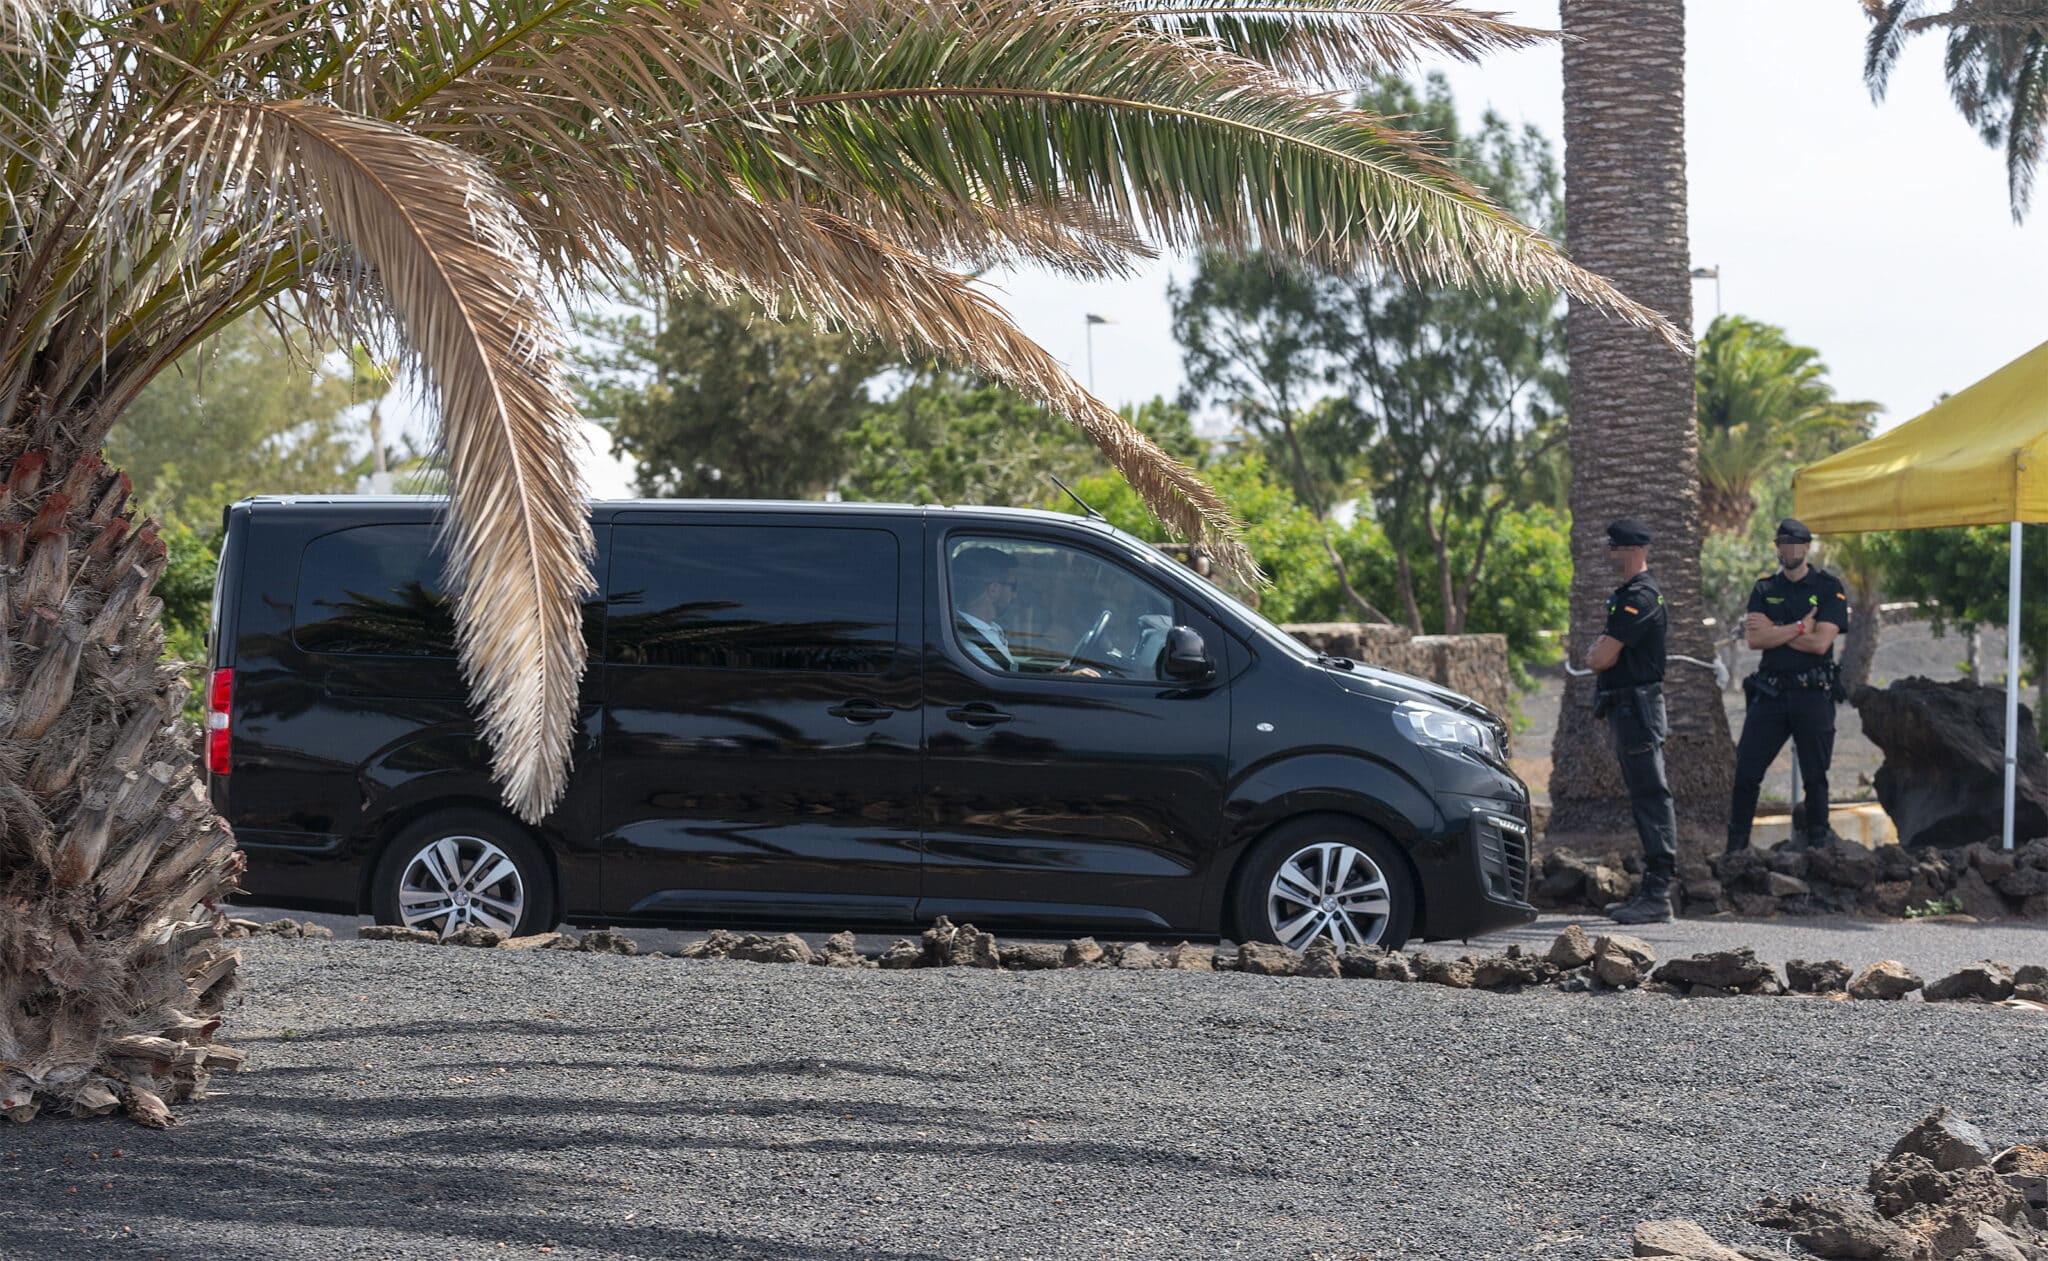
point(249, 412)
point(1763, 402)
point(1458, 393)
point(1634, 434)
point(720, 399)
point(1960, 576)
point(1441, 403)
point(946, 437)
point(1996, 63)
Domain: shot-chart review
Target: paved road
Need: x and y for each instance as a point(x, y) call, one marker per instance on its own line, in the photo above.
point(421, 1102)
point(1931, 949)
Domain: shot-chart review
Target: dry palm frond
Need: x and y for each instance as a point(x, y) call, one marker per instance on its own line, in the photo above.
point(419, 226)
point(1340, 39)
point(843, 273)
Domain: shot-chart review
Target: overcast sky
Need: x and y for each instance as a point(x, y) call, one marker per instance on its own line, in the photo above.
point(1880, 234)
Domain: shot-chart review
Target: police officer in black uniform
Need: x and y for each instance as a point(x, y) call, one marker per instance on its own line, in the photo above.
point(1629, 693)
point(1794, 616)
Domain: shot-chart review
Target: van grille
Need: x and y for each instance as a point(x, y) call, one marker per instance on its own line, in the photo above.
point(1503, 845)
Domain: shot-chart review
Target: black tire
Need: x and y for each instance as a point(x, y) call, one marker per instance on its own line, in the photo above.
point(470, 831)
point(1251, 905)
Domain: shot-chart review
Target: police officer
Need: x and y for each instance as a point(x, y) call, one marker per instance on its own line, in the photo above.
point(1794, 616)
point(1629, 693)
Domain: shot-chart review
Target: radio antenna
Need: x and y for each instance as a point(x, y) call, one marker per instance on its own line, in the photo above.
point(1076, 498)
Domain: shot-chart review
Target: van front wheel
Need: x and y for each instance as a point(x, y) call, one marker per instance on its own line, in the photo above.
point(464, 868)
point(1328, 878)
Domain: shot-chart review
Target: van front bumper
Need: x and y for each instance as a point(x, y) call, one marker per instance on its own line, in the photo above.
point(1477, 873)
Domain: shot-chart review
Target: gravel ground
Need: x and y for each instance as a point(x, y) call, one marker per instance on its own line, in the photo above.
point(416, 1102)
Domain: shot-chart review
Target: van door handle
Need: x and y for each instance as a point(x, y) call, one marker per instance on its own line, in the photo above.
point(860, 711)
point(977, 715)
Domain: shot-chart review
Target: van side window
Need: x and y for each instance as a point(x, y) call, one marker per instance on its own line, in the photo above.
point(374, 589)
point(753, 597)
point(1023, 606)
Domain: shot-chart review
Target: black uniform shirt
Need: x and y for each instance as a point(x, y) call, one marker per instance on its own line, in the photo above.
point(1635, 618)
point(1785, 601)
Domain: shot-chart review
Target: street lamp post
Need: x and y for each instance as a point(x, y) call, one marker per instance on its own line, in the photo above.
point(1093, 320)
point(1714, 274)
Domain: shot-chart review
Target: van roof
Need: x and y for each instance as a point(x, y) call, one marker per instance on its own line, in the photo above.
point(369, 503)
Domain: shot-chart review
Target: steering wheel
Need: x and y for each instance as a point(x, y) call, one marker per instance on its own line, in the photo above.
point(1094, 633)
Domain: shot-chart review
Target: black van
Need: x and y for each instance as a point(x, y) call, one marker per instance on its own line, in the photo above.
point(814, 715)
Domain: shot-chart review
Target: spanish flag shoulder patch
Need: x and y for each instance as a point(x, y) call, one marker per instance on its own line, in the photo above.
point(1631, 608)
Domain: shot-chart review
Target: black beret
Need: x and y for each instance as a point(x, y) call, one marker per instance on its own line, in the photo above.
point(1628, 532)
point(1790, 531)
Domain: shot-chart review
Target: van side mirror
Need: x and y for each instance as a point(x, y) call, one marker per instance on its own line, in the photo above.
point(1186, 657)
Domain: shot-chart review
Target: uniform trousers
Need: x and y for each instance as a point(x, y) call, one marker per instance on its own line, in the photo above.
point(1638, 725)
point(1804, 715)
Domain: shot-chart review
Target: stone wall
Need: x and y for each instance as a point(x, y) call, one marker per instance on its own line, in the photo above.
point(1476, 665)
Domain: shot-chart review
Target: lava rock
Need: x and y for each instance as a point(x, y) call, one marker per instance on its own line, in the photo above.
point(605, 941)
point(1843, 863)
point(1779, 885)
point(1683, 1240)
point(1265, 958)
point(1982, 982)
point(840, 951)
point(1836, 1226)
point(1320, 960)
point(969, 947)
point(2023, 883)
point(1188, 957)
point(902, 953)
point(1572, 949)
point(1621, 961)
point(1034, 956)
point(1361, 963)
point(782, 948)
point(1082, 952)
point(1497, 972)
point(393, 932)
point(1396, 966)
point(719, 943)
point(1454, 974)
point(475, 935)
point(532, 941)
point(1944, 760)
point(1978, 897)
point(1945, 1141)
point(1888, 979)
point(1829, 976)
point(1737, 971)
point(1135, 957)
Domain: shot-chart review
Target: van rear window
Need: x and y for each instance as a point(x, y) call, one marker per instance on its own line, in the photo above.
point(747, 597)
point(375, 589)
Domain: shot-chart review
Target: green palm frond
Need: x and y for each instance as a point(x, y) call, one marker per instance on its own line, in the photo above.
point(1345, 40)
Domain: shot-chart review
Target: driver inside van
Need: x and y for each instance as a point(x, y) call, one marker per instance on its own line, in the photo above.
point(984, 587)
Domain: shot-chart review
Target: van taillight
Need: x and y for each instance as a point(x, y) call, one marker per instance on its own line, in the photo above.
point(220, 695)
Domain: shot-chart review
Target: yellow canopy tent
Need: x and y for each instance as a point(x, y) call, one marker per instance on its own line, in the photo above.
point(1979, 457)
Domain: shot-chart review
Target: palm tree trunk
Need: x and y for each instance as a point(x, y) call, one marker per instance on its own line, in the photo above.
point(1867, 628)
point(112, 972)
point(1634, 440)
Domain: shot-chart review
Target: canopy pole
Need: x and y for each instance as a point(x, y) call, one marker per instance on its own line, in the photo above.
point(2012, 681)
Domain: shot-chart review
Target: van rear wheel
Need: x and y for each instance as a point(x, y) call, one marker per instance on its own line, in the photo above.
point(1324, 877)
point(463, 868)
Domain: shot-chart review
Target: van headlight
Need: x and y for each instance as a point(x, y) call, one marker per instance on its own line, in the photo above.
point(1426, 724)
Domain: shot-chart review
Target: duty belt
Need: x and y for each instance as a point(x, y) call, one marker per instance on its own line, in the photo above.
point(1816, 677)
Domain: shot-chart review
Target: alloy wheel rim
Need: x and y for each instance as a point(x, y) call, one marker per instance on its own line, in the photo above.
point(458, 881)
point(1330, 890)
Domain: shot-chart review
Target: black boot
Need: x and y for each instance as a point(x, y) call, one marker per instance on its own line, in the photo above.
point(1650, 905)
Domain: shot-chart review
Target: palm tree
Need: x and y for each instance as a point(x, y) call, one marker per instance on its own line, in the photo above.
point(1996, 63)
point(1634, 446)
point(1763, 403)
point(419, 176)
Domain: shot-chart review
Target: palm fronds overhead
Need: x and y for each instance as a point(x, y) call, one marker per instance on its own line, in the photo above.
point(1996, 64)
point(420, 173)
